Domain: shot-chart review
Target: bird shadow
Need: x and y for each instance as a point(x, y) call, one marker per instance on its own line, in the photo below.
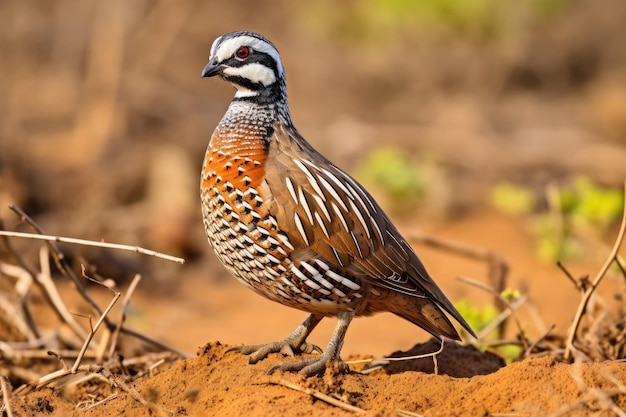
point(455, 360)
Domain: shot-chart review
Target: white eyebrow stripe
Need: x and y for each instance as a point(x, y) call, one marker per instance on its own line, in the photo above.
point(228, 48)
point(215, 42)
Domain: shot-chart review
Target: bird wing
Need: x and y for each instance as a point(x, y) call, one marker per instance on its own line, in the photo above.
point(332, 215)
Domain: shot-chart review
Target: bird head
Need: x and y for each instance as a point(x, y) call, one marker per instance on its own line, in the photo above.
point(248, 61)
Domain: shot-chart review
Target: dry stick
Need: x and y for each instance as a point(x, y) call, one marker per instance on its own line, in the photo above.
point(21, 354)
point(47, 286)
point(125, 302)
point(84, 406)
point(405, 413)
point(319, 395)
point(63, 266)
point(59, 260)
point(379, 363)
point(582, 307)
point(568, 275)
point(116, 296)
point(83, 242)
point(54, 376)
point(134, 393)
point(6, 396)
point(536, 342)
point(508, 309)
point(622, 265)
point(22, 318)
point(498, 268)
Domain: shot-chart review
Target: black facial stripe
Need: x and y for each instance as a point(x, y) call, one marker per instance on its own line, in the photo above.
point(254, 57)
point(244, 82)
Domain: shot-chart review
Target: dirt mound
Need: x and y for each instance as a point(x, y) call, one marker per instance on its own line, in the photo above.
point(215, 383)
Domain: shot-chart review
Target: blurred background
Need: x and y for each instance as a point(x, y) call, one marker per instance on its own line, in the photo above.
point(497, 123)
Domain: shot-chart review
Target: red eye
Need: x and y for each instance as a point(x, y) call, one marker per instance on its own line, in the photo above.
point(243, 52)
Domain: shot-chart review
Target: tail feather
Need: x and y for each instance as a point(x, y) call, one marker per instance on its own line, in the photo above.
point(427, 315)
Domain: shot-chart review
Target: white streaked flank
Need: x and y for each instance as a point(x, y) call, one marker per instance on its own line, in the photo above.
point(300, 228)
point(356, 211)
point(322, 206)
point(322, 225)
point(292, 191)
point(332, 192)
point(305, 205)
point(337, 182)
point(356, 243)
point(340, 216)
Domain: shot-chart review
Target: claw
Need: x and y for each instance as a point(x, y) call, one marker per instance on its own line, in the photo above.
point(296, 343)
point(307, 347)
point(310, 366)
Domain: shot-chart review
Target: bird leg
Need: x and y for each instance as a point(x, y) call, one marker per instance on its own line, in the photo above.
point(295, 342)
point(316, 365)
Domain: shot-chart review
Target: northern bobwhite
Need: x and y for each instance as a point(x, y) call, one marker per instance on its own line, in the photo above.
point(292, 226)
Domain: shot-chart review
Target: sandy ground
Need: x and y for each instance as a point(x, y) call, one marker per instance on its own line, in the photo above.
point(103, 126)
point(467, 382)
point(214, 383)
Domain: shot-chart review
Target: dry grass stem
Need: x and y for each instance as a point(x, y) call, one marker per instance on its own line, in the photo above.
point(500, 318)
point(6, 395)
point(375, 364)
point(582, 307)
point(84, 242)
point(405, 413)
point(116, 296)
point(125, 302)
point(498, 267)
point(93, 362)
point(319, 395)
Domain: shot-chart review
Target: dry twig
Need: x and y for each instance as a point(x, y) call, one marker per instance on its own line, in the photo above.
point(379, 363)
point(319, 395)
point(41, 236)
point(591, 288)
point(498, 268)
point(6, 395)
point(116, 296)
point(125, 302)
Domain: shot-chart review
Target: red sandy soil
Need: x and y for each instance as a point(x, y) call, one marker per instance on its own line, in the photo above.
point(104, 127)
point(215, 383)
point(468, 382)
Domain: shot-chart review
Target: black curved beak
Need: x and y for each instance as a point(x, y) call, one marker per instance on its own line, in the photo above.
point(211, 69)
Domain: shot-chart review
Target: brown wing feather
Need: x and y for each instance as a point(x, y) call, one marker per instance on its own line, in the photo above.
point(337, 218)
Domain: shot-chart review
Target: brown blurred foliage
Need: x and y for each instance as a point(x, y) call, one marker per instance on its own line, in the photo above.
point(104, 118)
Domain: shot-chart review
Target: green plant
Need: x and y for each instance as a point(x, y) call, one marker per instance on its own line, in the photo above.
point(572, 214)
point(371, 20)
point(513, 199)
point(480, 318)
point(391, 171)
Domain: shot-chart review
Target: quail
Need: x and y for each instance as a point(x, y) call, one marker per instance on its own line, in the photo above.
point(295, 228)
